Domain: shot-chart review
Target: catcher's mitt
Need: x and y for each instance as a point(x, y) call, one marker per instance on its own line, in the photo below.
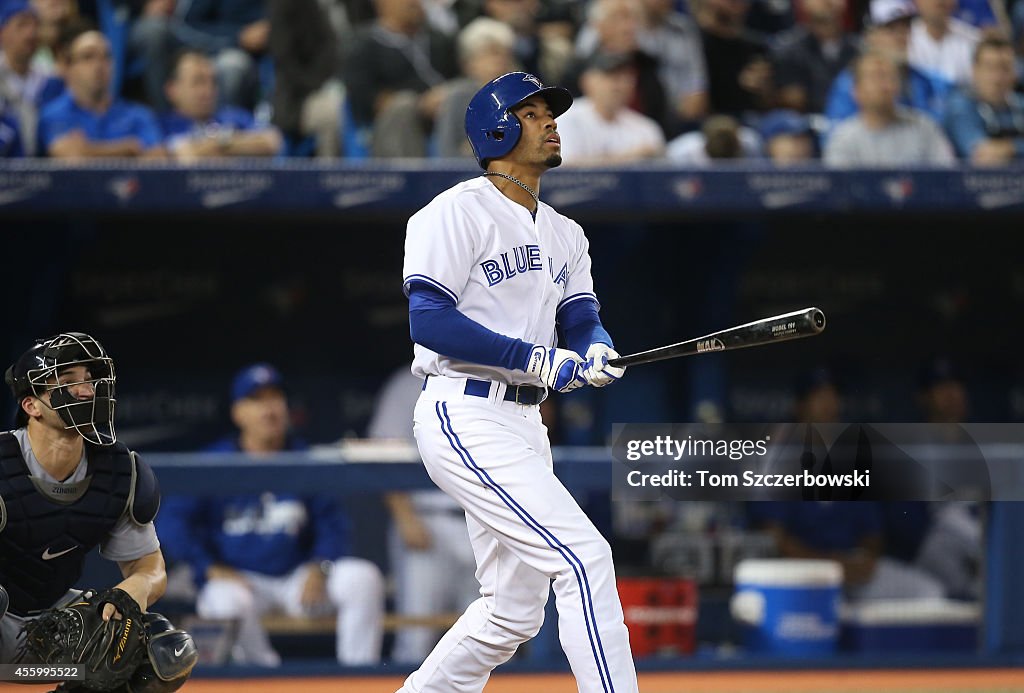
point(109, 651)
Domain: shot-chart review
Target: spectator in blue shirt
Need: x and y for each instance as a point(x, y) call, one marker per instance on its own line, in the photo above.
point(255, 553)
point(889, 33)
point(88, 120)
point(986, 122)
point(197, 129)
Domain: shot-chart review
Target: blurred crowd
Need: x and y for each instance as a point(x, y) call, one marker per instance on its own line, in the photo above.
point(855, 83)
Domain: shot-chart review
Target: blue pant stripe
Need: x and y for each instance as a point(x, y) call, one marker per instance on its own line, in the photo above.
point(574, 562)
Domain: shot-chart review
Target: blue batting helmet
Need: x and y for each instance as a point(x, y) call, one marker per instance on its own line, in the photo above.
point(491, 128)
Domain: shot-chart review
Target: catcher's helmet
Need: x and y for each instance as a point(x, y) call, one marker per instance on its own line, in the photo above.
point(490, 126)
point(37, 370)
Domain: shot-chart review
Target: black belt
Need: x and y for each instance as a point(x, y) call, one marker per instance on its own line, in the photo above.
point(528, 395)
point(520, 394)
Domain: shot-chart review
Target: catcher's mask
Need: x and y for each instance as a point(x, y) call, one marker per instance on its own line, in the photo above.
point(39, 371)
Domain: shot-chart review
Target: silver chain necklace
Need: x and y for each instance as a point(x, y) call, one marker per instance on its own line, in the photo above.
point(521, 184)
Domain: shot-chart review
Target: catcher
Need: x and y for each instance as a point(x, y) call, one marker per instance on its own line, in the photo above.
point(67, 485)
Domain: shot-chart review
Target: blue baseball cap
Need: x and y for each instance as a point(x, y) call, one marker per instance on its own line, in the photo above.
point(11, 8)
point(783, 122)
point(254, 377)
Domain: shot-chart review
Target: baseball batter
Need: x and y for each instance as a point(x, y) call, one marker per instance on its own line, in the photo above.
point(493, 277)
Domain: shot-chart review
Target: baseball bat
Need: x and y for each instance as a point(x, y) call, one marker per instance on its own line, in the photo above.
point(807, 322)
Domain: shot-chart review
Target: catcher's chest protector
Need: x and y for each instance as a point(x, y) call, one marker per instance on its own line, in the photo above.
point(43, 543)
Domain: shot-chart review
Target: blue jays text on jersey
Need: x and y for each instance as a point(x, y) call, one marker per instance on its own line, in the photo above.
point(526, 258)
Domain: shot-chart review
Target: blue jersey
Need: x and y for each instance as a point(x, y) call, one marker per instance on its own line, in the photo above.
point(123, 119)
point(229, 118)
point(270, 533)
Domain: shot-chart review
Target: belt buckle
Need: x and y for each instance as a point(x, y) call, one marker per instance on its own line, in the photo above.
point(522, 404)
point(528, 388)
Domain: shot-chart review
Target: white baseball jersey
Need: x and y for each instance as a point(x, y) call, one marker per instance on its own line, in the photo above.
point(504, 270)
point(511, 274)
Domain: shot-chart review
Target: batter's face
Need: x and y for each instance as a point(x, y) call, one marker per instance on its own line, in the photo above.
point(539, 143)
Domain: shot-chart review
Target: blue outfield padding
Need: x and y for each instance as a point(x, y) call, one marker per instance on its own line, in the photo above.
point(1004, 599)
point(911, 625)
point(378, 186)
point(923, 639)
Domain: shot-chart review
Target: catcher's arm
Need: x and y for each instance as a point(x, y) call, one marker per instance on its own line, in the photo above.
point(145, 579)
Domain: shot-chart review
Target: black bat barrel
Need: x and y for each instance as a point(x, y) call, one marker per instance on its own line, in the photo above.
point(779, 328)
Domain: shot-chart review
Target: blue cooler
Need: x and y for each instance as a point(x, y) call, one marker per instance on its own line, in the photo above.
point(788, 606)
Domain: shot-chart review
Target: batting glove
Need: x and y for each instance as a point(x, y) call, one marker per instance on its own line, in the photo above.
point(596, 370)
point(559, 369)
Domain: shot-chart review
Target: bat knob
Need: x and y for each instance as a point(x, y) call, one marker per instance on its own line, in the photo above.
point(819, 319)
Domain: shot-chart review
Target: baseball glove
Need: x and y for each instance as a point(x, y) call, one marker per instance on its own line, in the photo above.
point(109, 651)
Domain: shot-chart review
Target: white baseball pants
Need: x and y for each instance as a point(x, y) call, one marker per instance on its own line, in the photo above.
point(528, 533)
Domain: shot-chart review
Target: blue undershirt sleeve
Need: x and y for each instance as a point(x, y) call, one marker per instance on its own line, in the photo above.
point(435, 323)
point(581, 326)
